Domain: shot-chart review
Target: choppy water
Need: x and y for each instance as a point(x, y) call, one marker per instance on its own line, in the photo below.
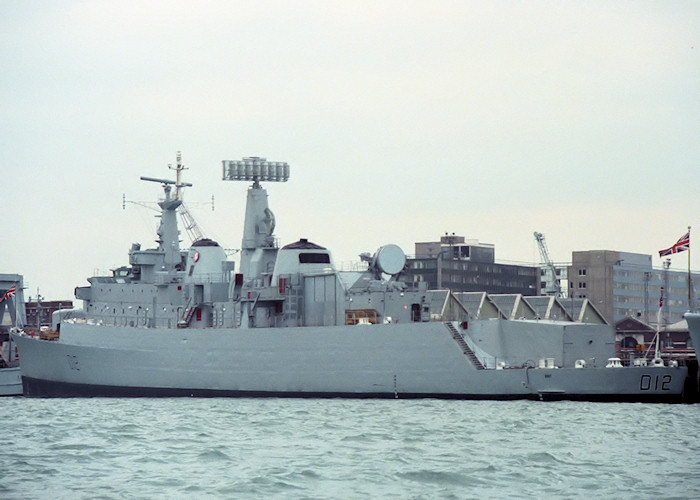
point(311, 448)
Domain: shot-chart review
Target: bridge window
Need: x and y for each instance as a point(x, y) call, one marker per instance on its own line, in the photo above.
point(314, 258)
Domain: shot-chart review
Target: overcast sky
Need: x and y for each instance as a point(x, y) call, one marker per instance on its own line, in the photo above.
point(401, 120)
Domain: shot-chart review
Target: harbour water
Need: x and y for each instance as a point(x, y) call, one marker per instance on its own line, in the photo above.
point(315, 448)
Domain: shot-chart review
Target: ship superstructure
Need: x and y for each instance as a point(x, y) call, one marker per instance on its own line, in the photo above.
point(277, 287)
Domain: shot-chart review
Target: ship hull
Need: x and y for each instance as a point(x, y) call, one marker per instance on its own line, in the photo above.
point(380, 361)
point(49, 389)
point(45, 388)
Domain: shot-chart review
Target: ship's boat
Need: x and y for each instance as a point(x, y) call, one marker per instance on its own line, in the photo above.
point(289, 324)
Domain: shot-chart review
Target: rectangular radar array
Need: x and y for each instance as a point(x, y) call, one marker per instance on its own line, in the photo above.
point(255, 169)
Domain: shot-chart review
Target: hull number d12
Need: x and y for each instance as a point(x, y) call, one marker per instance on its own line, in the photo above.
point(649, 383)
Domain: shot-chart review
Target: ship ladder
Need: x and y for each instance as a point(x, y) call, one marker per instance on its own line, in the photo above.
point(187, 315)
point(465, 348)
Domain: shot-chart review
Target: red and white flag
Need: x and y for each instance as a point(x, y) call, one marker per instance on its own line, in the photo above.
point(682, 244)
point(10, 293)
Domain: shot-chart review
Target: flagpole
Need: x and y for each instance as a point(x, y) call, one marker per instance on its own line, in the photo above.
point(690, 281)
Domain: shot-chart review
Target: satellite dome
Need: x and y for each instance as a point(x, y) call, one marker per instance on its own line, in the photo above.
point(390, 259)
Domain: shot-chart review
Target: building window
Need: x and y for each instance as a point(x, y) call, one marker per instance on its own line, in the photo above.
point(581, 272)
point(582, 284)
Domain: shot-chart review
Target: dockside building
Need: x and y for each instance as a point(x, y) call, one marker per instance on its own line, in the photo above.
point(462, 265)
point(624, 284)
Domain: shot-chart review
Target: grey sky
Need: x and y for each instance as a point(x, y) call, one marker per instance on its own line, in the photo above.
point(401, 121)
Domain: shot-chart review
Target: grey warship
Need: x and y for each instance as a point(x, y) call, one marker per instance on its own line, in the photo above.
point(183, 322)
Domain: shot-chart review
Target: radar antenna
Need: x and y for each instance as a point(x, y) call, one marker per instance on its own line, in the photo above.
point(177, 182)
point(255, 169)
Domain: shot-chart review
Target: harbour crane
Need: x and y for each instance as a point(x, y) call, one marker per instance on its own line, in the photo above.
point(553, 287)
